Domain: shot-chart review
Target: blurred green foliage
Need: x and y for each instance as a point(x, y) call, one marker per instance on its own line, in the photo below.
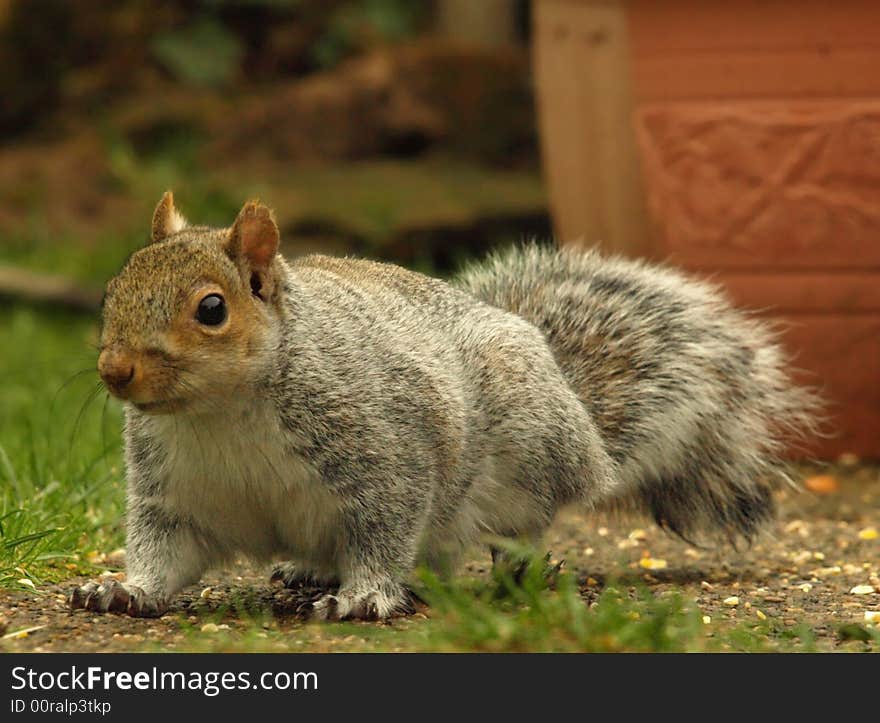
point(361, 24)
point(203, 53)
point(64, 52)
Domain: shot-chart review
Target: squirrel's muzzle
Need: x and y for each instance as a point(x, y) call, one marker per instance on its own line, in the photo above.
point(117, 370)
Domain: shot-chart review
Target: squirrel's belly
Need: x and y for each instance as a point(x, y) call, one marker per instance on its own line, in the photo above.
point(253, 495)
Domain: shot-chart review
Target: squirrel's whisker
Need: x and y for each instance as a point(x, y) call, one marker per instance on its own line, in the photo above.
point(92, 395)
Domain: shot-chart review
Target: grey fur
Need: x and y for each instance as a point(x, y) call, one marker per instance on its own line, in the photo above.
point(384, 417)
point(691, 396)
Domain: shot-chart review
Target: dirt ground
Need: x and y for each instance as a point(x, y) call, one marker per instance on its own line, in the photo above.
point(819, 564)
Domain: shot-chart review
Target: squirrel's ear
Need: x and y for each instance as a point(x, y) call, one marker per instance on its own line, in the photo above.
point(166, 219)
point(254, 236)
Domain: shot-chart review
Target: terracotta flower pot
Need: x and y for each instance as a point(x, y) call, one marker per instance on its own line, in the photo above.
point(740, 139)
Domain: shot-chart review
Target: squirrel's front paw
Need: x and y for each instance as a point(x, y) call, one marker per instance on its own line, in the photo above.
point(116, 597)
point(371, 604)
point(292, 576)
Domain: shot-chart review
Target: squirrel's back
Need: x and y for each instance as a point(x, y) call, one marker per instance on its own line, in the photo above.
point(691, 396)
point(414, 360)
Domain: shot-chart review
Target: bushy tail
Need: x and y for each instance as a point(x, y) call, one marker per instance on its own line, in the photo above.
point(692, 397)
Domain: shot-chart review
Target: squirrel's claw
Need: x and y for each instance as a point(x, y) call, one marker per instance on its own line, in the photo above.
point(115, 597)
point(327, 607)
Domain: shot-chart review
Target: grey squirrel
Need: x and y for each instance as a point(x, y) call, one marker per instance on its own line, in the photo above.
point(358, 418)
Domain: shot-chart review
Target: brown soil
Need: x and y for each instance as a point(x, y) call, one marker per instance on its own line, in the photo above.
point(801, 571)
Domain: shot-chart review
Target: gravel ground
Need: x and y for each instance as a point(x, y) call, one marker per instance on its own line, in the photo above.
point(819, 564)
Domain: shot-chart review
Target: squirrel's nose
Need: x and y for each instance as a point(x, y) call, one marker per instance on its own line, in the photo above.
point(116, 369)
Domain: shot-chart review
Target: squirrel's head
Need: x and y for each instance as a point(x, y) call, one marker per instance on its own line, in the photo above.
point(185, 321)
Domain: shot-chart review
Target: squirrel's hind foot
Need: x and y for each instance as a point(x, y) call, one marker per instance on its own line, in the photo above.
point(356, 604)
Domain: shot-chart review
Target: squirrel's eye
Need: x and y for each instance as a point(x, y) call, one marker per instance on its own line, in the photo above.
point(212, 310)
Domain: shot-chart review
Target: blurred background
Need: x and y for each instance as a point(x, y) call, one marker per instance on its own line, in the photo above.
point(403, 130)
point(738, 139)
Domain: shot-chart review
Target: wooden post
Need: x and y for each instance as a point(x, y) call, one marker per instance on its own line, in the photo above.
point(585, 113)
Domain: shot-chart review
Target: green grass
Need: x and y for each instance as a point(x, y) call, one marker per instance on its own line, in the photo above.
point(530, 614)
point(60, 478)
point(545, 611)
